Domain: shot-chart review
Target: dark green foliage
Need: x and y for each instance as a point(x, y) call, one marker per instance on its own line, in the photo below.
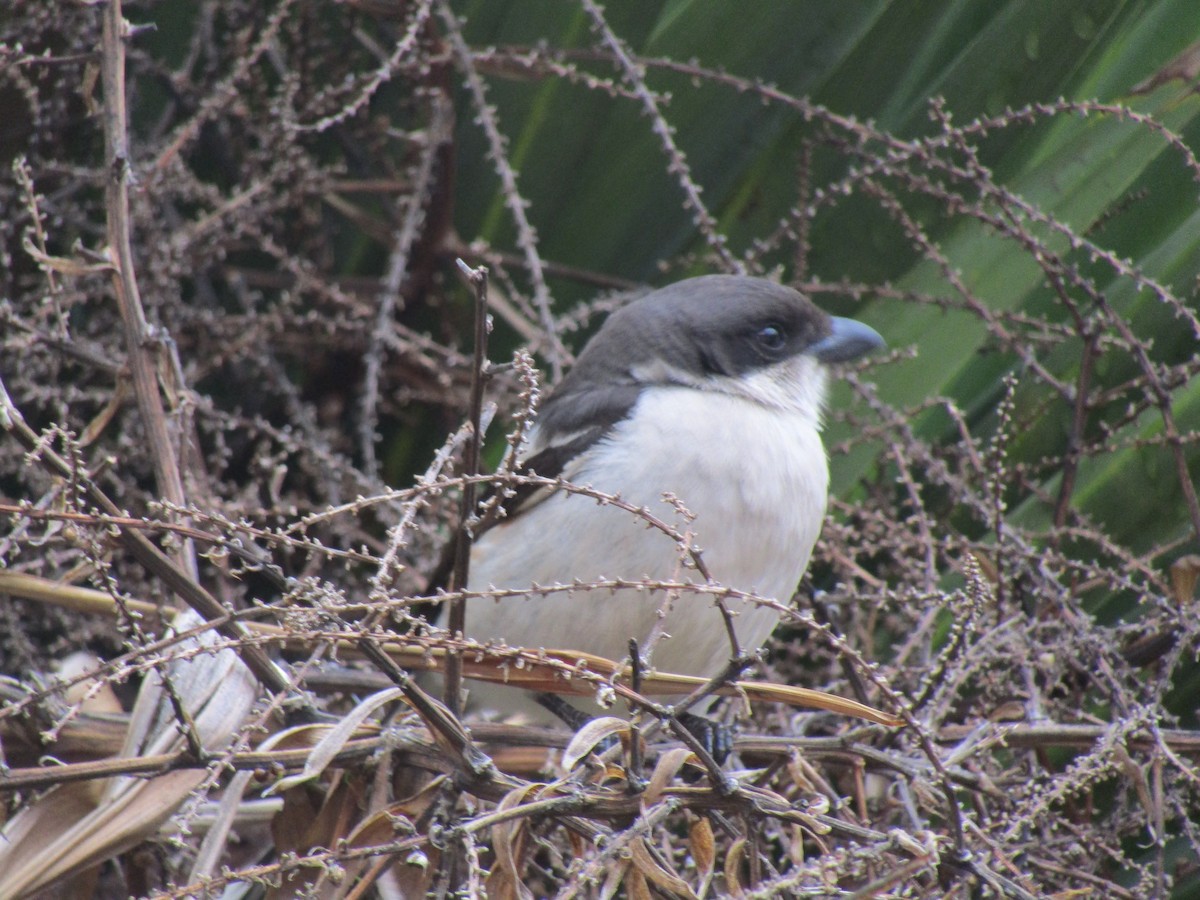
point(1007, 191)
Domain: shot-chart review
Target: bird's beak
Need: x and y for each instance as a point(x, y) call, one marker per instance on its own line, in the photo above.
point(847, 340)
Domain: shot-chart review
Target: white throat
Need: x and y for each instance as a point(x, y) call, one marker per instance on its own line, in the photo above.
point(796, 385)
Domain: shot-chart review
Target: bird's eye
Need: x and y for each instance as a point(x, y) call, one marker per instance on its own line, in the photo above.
point(771, 337)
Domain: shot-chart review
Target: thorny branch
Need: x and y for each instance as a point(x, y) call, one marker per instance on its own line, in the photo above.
point(526, 235)
point(276, 232)
point(138, 344)
point(478, 279)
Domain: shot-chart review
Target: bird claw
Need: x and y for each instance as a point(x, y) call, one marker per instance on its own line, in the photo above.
point(715, 737)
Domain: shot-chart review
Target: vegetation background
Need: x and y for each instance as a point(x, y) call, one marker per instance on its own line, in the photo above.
point(237, 359)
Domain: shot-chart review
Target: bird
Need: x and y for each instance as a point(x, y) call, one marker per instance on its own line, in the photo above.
point(711, 391)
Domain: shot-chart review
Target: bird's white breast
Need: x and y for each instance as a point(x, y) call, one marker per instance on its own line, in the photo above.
point(756, 479)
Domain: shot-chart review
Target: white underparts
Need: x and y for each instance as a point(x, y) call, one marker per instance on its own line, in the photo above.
point(744, 456)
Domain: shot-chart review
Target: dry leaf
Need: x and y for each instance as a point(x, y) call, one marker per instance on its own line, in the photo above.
point(496, 667)
point(668, 765)
point(335, 739)
point(72, 268)
point(94, 695)
point(1185, 67)
point(614, 878)
point(591, 734)
point(656, 872)
point(638, 888)
point(509, 840)
point(96, 427)
point(1184, 573)
point(300, 829)
point(733, 869)
point(702, 846)
point(64, 831)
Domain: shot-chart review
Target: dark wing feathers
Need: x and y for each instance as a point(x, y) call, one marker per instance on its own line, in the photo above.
point(551, 462)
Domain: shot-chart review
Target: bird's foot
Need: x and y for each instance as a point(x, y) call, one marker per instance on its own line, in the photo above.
point(715, 737)
point(571, 716)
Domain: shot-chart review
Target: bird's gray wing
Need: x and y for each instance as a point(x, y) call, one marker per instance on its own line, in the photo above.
point(573, 420)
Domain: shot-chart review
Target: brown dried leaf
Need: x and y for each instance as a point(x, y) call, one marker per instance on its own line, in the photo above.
point(539, 676)
point(733, 869)
point(591, 734)
point(1184, 573)
point(43, 844)
point(94, 695)
point(638, 888)
point(1185, 67)
point(335, 739)
point(509, 840)
point(72, 268)
point(96, 427)
point(703, 846)
point(665, 769)
point(413, 875)
point(300, 829)
point(655, 872)
point(612, 881)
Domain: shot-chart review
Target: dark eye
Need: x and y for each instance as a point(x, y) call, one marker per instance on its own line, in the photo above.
point(770, 337)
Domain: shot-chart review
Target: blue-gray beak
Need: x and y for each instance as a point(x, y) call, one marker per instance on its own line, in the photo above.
point(848, 340)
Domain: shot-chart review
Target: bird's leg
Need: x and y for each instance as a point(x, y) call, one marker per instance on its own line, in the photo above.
point(716, 737)
point(573, 717)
